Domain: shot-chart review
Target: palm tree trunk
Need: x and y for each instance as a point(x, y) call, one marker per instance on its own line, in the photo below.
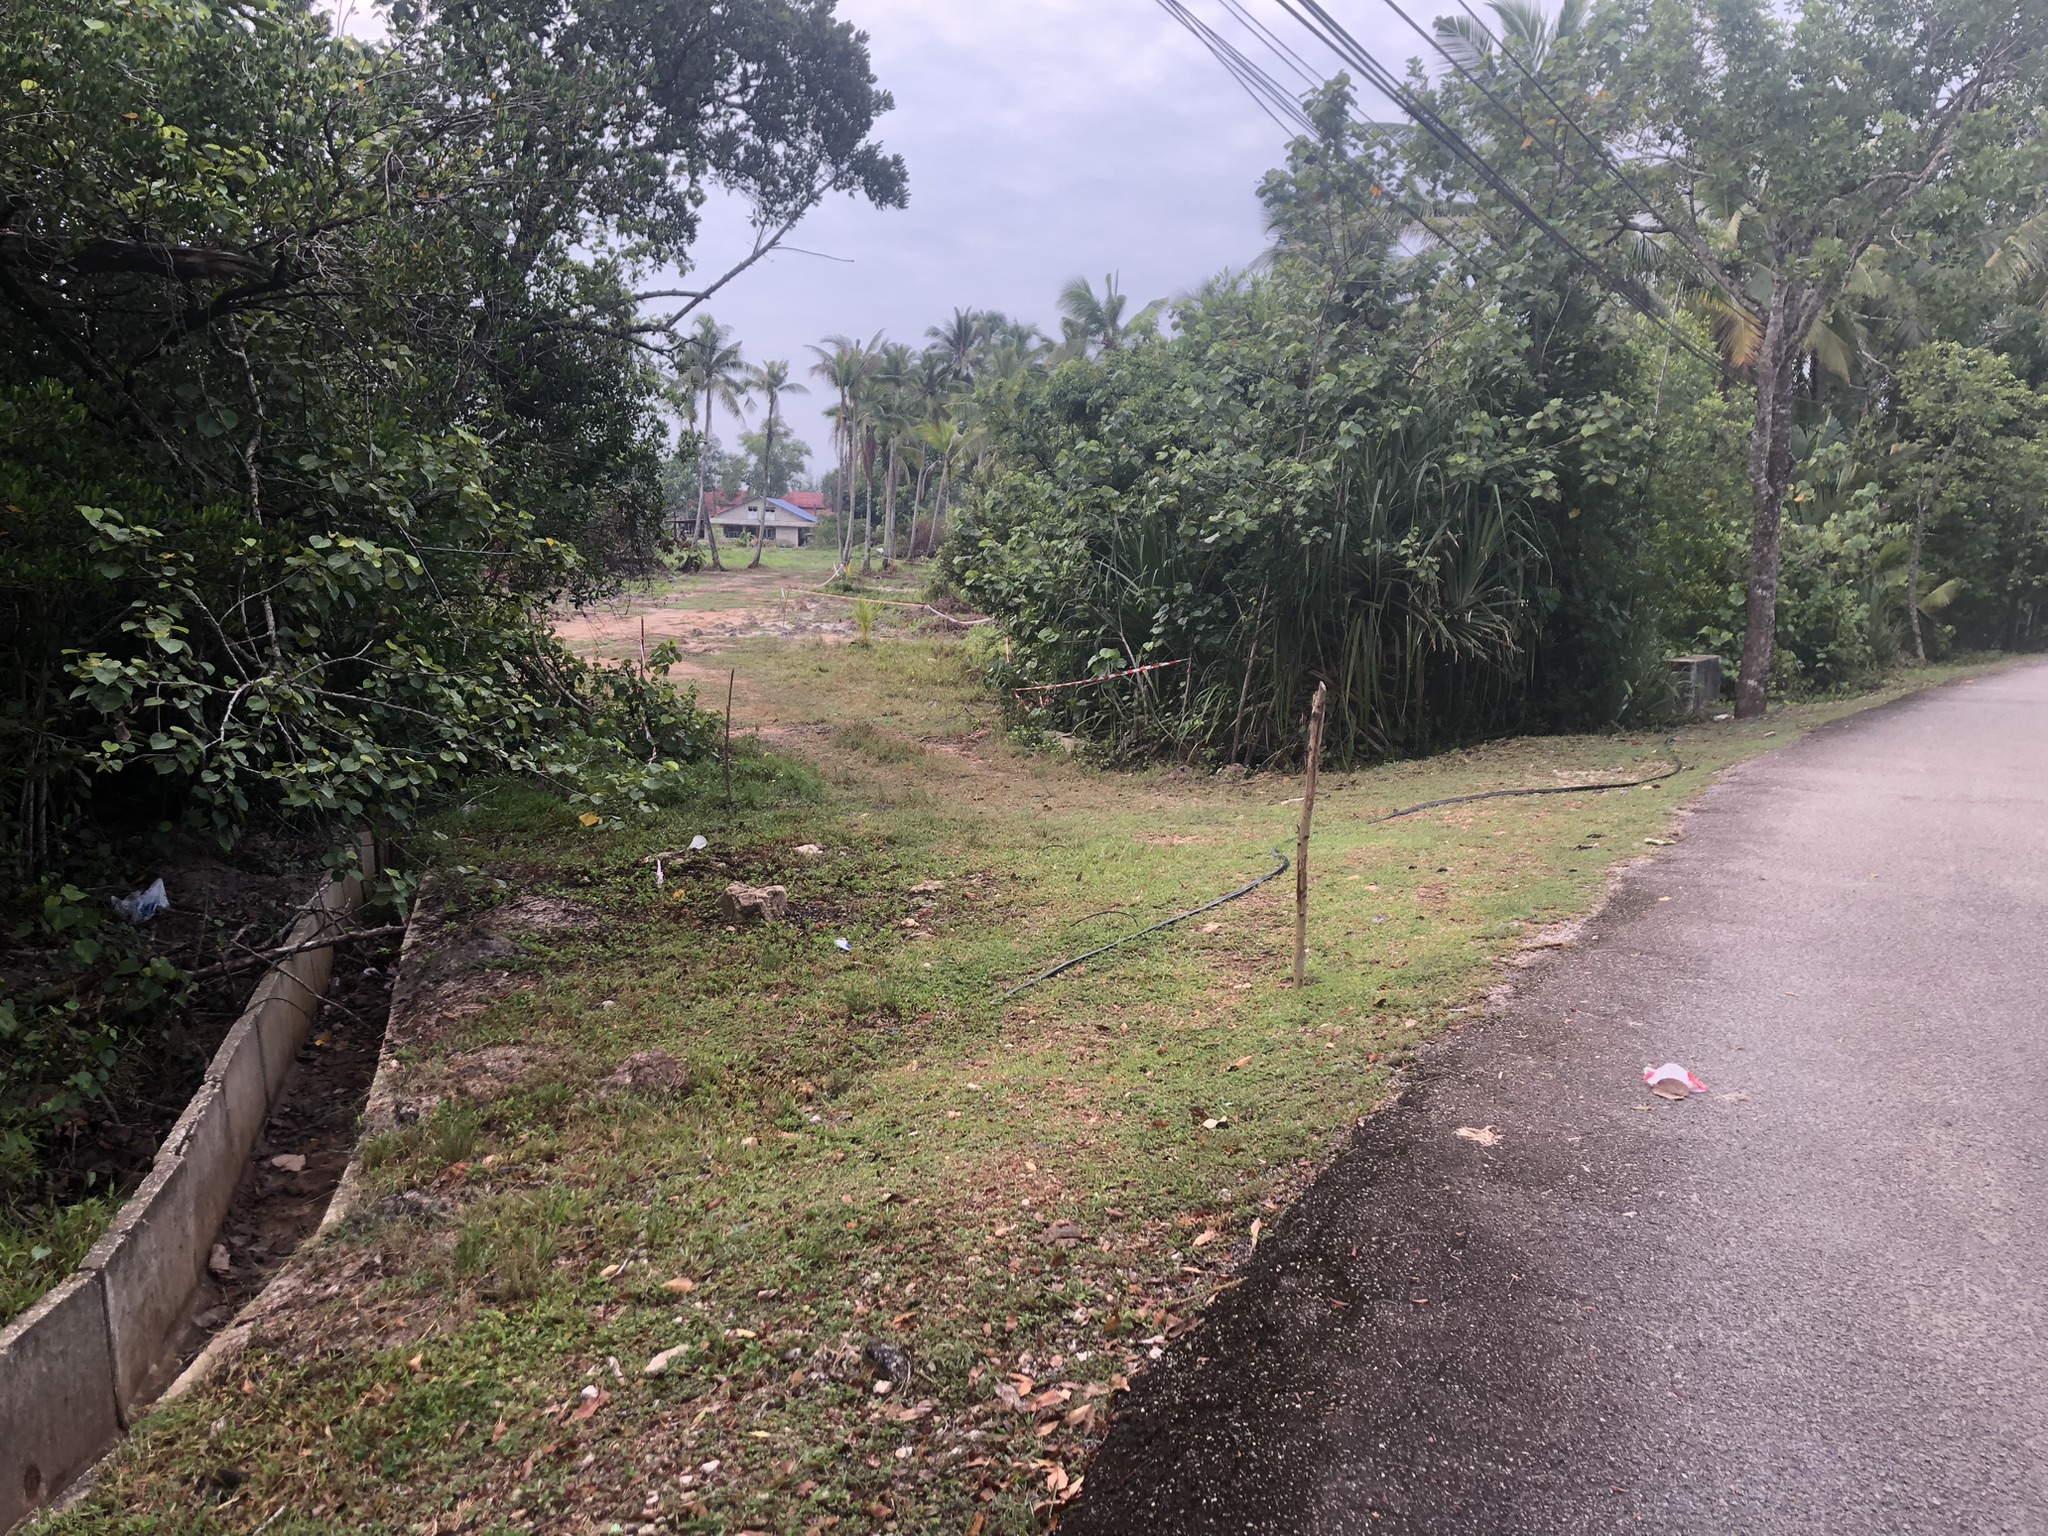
point(767, 469)
point(710, 527)
point(867, 536)
point(889, 514)
point(1926, 501)
point(848, 494)
point(917, 503)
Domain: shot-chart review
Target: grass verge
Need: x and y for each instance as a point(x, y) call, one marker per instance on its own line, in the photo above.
point(896, 1240)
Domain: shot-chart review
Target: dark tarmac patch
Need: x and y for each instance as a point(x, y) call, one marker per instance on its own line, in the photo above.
point(1794, 1304)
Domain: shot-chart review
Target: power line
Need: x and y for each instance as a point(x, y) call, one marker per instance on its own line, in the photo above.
point(1274, 99)
point(1326, 29)
point(1264, 91)
point(1599, 150)
point(1480, 86)
point(1272, 40)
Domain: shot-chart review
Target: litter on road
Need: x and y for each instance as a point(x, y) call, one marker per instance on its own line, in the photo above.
point(1485, 1135)
point(1671, 1081)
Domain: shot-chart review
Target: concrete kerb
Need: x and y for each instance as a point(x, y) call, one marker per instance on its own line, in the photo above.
point(76, 1368)
point(379, 1114)
point(57, 1409)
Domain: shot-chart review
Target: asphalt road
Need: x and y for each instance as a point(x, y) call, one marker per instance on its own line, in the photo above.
point(1810, 1301)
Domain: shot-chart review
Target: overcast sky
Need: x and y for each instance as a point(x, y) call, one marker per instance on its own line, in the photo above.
point(1045, 139)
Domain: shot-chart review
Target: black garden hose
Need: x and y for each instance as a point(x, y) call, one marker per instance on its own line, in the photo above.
point(1283, 865)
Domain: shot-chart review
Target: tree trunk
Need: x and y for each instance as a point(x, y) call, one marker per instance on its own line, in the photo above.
point(767, 470)
point(917, 502)
point(867, 532)
point(889, 514)
point(710, 527)
point(1770, 476)
point(1913, 581)
point(846, 495)
point(1920, 510)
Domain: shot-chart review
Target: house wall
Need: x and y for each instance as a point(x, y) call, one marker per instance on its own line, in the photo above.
point(791, 536)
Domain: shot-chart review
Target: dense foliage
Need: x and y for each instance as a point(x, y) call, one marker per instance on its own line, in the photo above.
point(1354, 469)
point(1497, 426)
point(328, 379)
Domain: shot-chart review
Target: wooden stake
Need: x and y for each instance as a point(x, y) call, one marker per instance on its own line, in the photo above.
point(1308, 812)
point(729, 676)
point(643, 644)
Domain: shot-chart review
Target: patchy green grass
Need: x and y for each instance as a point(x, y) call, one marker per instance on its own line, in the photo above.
point(871, 1146)
point(39, 1249)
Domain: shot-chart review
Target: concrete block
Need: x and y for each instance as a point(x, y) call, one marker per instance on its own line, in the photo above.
point(280, 1009)
point(154, 1255)
point(287, 999)
point(57, 1411)
point(1699, 683)
point(238, 1067)
point(75, 1366)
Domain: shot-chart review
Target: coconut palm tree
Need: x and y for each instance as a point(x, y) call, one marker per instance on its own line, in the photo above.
point(848, 366)
point(1523, 30)
point(710, 366)
point(1091, 321)
point(946, 441)
point(1015, 350)
point(895, 413)
point(962, 340)
point(767, 383)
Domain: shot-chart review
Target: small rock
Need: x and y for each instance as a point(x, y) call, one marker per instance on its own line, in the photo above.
point(661, 1362)
point(810, 850)
point(891, 1360)
point(289, 1162)
point(212, 1318)
point(219, 1262)
point(412, 1111)
point(754, 903)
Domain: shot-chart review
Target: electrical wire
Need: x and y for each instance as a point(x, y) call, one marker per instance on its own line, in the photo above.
point(1243, 890)
point(1282, 865)
point(1677, 767)
point(1274, 99)
point(1326, 29)
point(1600, 151)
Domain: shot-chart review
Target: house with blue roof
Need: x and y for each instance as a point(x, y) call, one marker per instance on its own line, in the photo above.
point(776, 520)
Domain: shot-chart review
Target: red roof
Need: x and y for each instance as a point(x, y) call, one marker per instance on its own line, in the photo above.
point(806, 501)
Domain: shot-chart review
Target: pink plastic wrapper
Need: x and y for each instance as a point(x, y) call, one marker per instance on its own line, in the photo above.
point(1671, 1081)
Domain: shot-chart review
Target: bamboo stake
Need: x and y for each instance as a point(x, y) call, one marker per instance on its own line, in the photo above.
point(729, 676)
point(1308, 812)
